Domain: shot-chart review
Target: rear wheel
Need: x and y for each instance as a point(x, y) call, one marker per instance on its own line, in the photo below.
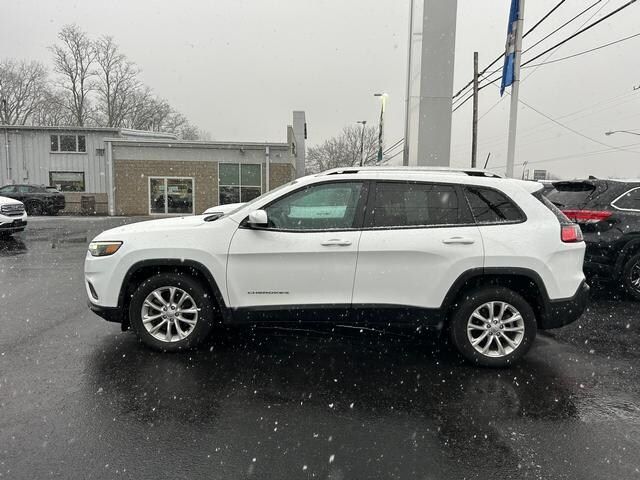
point(493, 327)
point(34, 208)
point(631, 276)
point(171, 312)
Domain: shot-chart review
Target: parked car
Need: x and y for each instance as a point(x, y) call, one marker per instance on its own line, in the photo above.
point(608, 212)
point(13, 218)
point(37, 199)
point(489, 258)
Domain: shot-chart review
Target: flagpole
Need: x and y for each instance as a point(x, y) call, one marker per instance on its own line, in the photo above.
point(515, 93)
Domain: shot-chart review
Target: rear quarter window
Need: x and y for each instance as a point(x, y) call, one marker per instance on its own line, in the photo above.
point(491, 206)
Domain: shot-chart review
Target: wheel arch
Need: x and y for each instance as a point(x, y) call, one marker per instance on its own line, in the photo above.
point(144, 269)
point(523, 281)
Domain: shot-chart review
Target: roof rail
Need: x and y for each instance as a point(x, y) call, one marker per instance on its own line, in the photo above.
point(472, 172)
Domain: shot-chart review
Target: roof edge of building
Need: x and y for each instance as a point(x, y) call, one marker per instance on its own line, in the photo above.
point(151, 142)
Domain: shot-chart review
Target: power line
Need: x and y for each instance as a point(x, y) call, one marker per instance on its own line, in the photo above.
point(580, 32)
point(562, 26)
point(502, 54)
point(555, 47)
point(549, 56)
point(549, 13)
point(584, 52)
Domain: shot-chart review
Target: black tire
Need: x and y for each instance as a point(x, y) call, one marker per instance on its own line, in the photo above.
point(206, 317)
point(631, 276)
point(475, 299)
point(34, 208)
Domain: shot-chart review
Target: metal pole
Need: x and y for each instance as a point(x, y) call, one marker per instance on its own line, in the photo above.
point(364, 125)
point(405, 154)
point(383, 102)
point(474, 140)
point(515, 92)
point(267, 160)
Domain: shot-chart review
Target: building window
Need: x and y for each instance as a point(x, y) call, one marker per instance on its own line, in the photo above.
point(99, 152)
point(67, 181)
point(170, 196)
point(239, 183)
point(68, 143)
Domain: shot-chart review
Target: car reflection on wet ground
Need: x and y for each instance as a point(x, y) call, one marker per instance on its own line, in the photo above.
point(80, 399)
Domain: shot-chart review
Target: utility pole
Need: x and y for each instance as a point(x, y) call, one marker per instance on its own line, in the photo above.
point(364, 126)
point(515, 92)
point(474, 141)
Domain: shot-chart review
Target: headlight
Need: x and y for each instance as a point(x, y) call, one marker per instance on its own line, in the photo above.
point(104, 249)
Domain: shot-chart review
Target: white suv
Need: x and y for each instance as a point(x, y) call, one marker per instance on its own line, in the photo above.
point(13, 217)
point(490, 259)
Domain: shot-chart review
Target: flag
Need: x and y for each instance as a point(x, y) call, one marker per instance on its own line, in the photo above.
point(508, 71)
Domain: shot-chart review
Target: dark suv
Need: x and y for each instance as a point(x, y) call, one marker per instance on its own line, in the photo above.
point(609, 213)
point(37, 199)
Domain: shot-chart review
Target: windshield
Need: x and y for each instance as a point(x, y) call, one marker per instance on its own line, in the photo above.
point(261, 197)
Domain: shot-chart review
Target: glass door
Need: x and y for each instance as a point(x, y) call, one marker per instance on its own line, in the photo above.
point(170, 196)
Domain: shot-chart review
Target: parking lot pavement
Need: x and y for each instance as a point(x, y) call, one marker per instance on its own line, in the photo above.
point(80, 399)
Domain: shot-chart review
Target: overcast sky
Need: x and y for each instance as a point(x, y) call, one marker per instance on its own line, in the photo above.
point(237, 68)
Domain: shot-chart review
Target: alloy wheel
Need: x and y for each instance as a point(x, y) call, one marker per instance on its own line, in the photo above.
point(634, 277)
point(169, 314)
point(495, 329)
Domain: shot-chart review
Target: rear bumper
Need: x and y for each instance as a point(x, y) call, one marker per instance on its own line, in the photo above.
point(110, 314)
point(565, 311)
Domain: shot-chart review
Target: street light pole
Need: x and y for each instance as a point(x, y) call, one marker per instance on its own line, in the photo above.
point(383, 104)
point(364, 125)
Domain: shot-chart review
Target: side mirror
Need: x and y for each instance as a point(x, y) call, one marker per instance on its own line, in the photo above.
point(258, 218)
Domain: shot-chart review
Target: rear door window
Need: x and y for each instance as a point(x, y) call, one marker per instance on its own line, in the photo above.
point(629, 200)
point(573, 194)
point(410, 204)
point(491, 206)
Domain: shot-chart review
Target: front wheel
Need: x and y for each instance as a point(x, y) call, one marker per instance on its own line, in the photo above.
point(493, 327)
point(631, 276)
point(171, 312)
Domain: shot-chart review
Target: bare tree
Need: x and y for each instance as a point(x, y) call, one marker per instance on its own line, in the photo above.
point(23, 88)
point(73, 60)
point(344, 150)
point(52, 111)
point(117, 82)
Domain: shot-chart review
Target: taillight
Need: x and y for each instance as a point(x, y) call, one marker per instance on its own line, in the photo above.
point(587, 216)
point(571, 233)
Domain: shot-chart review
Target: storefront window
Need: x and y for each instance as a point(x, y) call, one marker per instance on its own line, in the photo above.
point(239, 182)
point(171, 195)
point(67, 181)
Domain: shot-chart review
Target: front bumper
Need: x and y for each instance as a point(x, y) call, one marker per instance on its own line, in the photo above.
point(110, 314)
point(559, 313)
point(12, 224)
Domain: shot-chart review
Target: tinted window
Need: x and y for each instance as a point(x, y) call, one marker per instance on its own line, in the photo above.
point(318, 207)
point(8, 189)
point(574, 194)
point(630, 200)
point(414, 204)
point(491, 206)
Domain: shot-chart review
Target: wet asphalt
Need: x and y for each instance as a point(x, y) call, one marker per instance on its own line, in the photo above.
point(80, 399)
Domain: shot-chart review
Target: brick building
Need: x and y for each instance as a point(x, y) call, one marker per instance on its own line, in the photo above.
point(159, 177)
point(126, 172)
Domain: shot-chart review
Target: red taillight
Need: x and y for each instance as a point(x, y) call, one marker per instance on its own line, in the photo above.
point(587, 216)
point(571, 233)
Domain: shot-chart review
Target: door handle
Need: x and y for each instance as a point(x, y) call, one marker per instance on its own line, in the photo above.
point(459, 241)
point(336, 242)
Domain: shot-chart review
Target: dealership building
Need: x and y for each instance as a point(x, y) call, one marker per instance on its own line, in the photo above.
point(127, 172)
